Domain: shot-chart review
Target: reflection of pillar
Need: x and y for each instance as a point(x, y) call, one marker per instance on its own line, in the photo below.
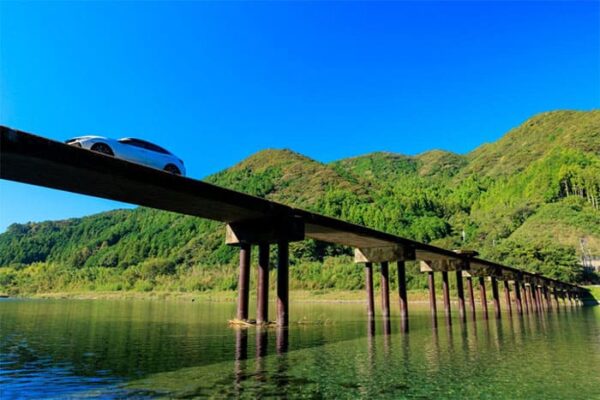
point(507, 297)
point(387, 326)
point(518, 301)
point(241, 344)
point(446, 294)
point(281, 340)
point(461, 296)
point(432, 304)
point(471, 296)
point(385, 290)
point(496, 297)
point(261, 342)
point(369, 287)
point(483, 297)
point(241, 354)
point(262, 290)
point(403, 299)
point(243, 282)
point(261, 352)
point(371, 327)
point(282, 284)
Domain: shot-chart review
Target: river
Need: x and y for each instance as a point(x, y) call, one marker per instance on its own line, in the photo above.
point(169, 349)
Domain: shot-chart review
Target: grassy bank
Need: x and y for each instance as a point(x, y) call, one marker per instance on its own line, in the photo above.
point(353, 296)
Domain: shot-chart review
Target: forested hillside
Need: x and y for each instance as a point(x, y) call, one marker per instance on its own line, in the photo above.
point(526, 200)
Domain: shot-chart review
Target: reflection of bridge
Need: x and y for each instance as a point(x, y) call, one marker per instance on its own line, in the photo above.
point(254, 221)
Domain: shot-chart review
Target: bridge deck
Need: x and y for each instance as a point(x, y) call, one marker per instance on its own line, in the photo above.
point(39, 161)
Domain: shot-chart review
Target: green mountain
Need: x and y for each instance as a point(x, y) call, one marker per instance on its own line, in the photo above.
point(528, 199)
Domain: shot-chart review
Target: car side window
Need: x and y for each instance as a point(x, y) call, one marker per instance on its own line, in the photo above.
point(155, 148)
point(144, 145)
point(133, 142)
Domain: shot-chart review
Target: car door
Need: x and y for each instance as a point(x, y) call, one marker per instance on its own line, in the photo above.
point(135, 151)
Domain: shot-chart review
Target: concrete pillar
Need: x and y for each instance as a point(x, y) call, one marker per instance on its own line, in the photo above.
point(532, 297)
point(403, 299)
point(432, 303)
point(446, 295)
point(526, 297)
point(283, 263)
point(555, 293)
point(243, 282)
point(471, 297)
point(385, 290)
point(461, 296)
point(507, 297)
point(496, 297)
point(538, 297)
point(518, 301)
point(369, 287)
point(483, 297)
point(262, 288)
point(547, 297)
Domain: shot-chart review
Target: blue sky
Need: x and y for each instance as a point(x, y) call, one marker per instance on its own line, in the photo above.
point(217, 81)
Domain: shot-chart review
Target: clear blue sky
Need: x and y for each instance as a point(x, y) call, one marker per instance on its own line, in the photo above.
point(217, 81)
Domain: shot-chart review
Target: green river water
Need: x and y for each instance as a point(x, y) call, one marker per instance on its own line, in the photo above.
point(167, 349)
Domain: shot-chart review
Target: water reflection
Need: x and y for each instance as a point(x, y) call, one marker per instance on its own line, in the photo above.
point(205, 358)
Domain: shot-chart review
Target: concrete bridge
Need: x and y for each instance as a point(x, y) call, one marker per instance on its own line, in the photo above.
point(260, 223)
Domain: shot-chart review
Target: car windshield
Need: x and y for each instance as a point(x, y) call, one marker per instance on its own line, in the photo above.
point(144, 145)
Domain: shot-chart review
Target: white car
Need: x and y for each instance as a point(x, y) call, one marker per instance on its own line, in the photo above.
point(134, 150)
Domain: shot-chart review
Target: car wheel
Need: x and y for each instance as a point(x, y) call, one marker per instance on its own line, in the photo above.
point(172, 169)
point(102, 148)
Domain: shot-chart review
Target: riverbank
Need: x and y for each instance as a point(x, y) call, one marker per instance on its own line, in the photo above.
point(340, 296)
point(329, 296)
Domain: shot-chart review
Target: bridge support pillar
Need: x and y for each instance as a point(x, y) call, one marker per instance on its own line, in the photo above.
point(471, 297)
point(484, 304)
point(446, 295)
point(548, 298)
point(432, 303)
point(243, 282)
point(369, 288)
point(544, 303)
point(518, 301)
point(496, 297)
point(385, 289)
point(538, 296)
point(528, 305)
point(283, 284)
point(555, 294)
point(532, 298)
point(461, 296)
point(403, 299)
point(507, 297)
point(262, 290)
